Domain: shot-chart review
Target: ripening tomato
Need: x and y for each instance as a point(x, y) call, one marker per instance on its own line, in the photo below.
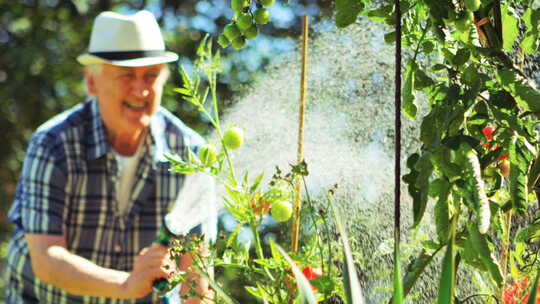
point(259, 205)
point(504, 166)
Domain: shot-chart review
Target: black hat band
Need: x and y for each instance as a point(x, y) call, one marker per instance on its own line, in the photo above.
point(126, 55)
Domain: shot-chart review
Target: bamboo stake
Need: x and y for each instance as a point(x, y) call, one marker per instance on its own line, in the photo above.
point(303, 92)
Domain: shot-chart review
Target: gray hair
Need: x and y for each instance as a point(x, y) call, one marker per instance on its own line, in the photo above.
point(95, 69)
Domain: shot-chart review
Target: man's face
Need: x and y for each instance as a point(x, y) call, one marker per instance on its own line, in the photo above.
point(128, 96)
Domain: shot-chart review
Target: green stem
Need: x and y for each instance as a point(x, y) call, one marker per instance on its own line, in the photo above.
point(258, 248)
point(417, 50)
point(212, 77)
point(325, 223)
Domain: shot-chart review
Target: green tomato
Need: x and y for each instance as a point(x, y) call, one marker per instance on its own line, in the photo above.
point(239, 43)
point(251, 32)
point(267, 2)
point(238, 5)
point(207, 155)
point(233, 137)
point(490, 171)
point(261, 16)
point(472, 5)
point(244, 21)
point(223, 41)
point(231, 31)
point(281, 211)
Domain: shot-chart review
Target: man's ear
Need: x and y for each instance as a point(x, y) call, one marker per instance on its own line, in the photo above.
point(89, 78)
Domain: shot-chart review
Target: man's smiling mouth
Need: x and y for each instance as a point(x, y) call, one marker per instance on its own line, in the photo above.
point(135, 105)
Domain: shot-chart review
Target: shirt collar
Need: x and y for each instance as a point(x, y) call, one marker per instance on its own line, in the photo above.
point(97, 144)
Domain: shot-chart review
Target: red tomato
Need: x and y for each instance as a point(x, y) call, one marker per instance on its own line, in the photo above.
point(312, 273)
point(488, 131)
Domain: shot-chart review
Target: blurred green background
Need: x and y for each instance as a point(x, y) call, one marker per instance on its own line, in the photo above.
point(39, 76)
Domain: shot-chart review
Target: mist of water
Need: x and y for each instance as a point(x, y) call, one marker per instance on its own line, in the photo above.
point(348, 133)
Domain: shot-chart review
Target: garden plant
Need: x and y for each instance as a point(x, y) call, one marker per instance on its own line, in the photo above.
point(479, 155)
point(270, 272)
point(478, 162)
point(473, 60)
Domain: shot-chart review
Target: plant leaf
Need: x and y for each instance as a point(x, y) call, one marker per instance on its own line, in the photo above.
point(351, 282)
point(415, 268)
point(518, 176)
point(510, 27)
point(530, 43)
point(530, 40)
point(442, 215)
point(527, 97)
point(425, 169)
point(480, 244)
point(256, 183)
point(446, 283)
point(461, 57)
point(409, 108)
point(528, 232)
point(347, 11)
point(324, 284)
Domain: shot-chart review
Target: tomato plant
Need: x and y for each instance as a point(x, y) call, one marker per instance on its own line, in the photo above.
point(241, 256)
point(467, 60)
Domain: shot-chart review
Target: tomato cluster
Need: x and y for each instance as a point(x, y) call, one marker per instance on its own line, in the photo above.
point(245, 24)
point(517, 293)
point(309, 272)
point(503, 162)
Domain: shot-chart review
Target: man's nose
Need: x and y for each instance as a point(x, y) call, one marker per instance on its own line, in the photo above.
point(141, 88)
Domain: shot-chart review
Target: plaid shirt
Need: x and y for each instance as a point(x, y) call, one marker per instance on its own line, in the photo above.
point(67, 187)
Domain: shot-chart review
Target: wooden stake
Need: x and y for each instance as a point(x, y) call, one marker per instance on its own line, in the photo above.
point(298, 182)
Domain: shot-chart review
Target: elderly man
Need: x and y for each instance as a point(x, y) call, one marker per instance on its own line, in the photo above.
point(95, 186)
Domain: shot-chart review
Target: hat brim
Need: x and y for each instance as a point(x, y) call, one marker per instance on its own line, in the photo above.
point(89, 59)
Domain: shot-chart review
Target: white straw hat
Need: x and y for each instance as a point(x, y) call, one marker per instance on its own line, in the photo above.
point(131, 41)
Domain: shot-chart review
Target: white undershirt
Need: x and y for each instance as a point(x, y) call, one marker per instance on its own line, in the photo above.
point(127, 167)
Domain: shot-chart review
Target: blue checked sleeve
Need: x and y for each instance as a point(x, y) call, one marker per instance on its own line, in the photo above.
point(41, 195)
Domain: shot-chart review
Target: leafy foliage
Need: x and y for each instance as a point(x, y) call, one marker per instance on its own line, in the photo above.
point(467, 59)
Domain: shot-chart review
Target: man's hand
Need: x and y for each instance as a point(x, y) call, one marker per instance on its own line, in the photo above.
point(152, 263)
point(80, 276)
